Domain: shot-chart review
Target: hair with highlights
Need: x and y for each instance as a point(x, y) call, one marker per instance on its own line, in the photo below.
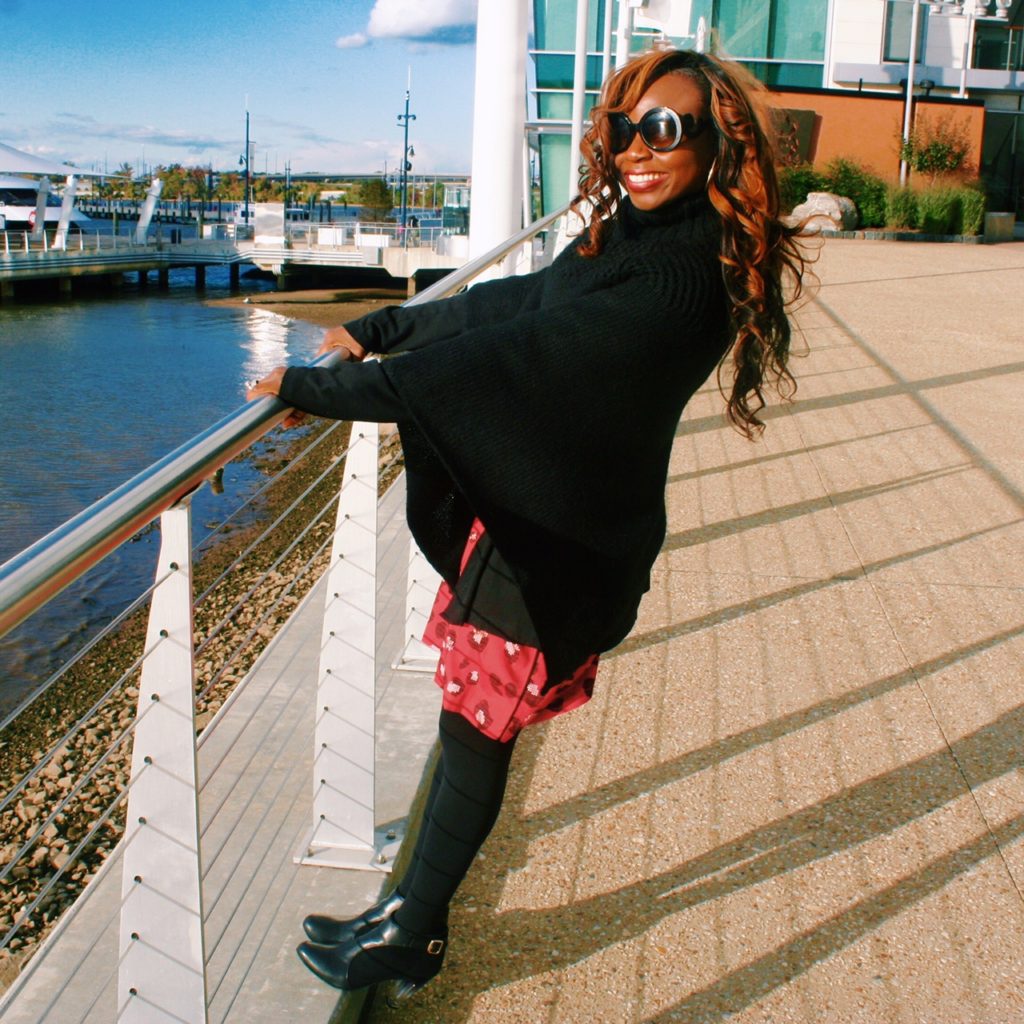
point(760, 256)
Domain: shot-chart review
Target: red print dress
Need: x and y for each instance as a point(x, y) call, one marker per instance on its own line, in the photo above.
point(498, 685)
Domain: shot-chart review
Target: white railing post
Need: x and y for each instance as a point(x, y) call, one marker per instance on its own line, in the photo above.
point(343, 833)
point(423, 581)
point(162, 974)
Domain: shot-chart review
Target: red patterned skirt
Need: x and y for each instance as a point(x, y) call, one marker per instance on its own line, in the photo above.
point(497, 685)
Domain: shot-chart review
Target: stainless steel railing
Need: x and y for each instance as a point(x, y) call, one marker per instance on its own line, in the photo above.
point(169, 686)
point(44, 569)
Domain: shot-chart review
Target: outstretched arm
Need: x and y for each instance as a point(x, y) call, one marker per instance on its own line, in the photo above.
point(401, 328)
point(348, 391)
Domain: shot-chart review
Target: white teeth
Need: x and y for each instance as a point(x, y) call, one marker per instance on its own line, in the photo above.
point(643, 177)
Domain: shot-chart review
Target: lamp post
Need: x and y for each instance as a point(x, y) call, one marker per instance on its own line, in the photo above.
point(407, 151)
point(244, 159)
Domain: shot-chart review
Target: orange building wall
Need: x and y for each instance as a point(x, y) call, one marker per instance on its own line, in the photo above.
point(866, 128)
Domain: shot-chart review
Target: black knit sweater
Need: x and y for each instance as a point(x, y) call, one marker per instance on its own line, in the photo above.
point(547, 405)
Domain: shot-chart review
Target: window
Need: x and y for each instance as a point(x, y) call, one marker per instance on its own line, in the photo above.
point(780, 41)
point(779, 29)
point(899, 16)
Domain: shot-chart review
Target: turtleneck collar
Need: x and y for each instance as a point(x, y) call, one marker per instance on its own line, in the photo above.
point(685, 208)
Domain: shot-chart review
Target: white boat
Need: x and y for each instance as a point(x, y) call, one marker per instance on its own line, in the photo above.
point(18, 206)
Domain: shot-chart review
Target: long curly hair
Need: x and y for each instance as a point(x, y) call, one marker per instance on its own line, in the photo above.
point(761, 259)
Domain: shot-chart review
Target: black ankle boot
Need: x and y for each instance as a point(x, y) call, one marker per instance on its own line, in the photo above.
point(385, 953)
point(330, 931)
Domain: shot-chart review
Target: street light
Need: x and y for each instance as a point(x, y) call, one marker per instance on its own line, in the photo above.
point(407, 150)
point(244, 159)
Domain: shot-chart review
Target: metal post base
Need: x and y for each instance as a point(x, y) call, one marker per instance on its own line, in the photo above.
point(416, 656)
point(380, 857)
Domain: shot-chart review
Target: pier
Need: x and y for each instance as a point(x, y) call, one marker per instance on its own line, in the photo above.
point(299, 248)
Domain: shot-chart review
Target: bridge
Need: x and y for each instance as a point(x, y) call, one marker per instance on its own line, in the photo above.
point(25, 258)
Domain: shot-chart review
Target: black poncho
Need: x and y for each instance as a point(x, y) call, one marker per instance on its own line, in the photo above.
point(547, 405)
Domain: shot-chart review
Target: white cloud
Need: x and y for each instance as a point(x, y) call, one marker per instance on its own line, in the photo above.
point(443, 21)
point(352, 42)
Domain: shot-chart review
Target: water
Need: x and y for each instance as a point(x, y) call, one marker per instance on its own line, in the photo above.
point(91, 392)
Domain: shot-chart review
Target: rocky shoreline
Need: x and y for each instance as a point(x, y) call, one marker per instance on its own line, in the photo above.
point(326, 307)
point(233, 624)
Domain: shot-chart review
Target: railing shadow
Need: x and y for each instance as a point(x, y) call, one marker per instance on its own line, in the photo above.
point(762, 458)
point(744, 986)
point(870, 810)
point(782, 513)
point(638, 641)
point(700, 424)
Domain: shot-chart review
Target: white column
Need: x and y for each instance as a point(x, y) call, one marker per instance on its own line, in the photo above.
point(908, 108)
point(161, 974)
point(623, 31)
point(39, 227)
point(498, 117)
point(606, 43)
point(579, 95)
point(152, 195)
point(344, 834)
point(422, 583)
point(66, 206)
point(829, 40)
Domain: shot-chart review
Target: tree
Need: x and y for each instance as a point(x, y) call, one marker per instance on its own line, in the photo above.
point(197, 183)
point(937, 149)
point(266, 190)
point(230, 186)
point(122, 185)
point(174, 178)
point(375, 196)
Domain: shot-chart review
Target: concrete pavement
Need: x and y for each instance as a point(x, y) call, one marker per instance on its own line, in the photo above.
point(797, 795)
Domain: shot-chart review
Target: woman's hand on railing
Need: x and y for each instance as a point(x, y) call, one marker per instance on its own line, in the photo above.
point(337, 339)
point(271, 385)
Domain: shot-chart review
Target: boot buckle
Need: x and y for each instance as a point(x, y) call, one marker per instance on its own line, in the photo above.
point(435, 946)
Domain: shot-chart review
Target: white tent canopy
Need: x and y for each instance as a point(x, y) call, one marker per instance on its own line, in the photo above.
point(13, 161)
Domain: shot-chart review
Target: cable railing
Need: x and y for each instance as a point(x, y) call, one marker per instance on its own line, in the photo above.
point(100, 761)
point(24, 243)
point(18, 244)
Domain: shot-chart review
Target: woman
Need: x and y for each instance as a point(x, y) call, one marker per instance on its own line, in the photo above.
point(537, 416)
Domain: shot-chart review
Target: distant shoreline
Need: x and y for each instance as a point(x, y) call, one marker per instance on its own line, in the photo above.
point(325, 307)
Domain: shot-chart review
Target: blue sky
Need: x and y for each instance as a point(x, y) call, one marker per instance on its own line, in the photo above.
point(106, 82)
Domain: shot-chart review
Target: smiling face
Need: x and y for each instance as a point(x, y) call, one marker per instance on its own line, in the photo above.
point(654, 178)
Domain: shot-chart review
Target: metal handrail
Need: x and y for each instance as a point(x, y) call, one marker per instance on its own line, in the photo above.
point(45, 568)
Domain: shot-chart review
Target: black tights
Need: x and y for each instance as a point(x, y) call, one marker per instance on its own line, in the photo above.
point(462, 806)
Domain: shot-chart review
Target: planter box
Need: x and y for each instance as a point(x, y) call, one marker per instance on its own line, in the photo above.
point(999, 227)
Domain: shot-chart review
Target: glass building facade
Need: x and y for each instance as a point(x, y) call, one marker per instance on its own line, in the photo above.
point(898, 21)
point(781, 41)
point(553, 61)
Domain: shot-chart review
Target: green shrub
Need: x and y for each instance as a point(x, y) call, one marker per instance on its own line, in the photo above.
point(938, 211)
point(972, 211)
point(937, 149)
point(795, 183)
point(900, 207)
point(867, 190)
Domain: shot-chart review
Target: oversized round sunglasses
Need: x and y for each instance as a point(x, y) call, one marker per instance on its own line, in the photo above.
point(661, 129)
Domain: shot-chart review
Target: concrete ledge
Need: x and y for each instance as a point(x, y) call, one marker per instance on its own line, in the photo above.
point(880, 234)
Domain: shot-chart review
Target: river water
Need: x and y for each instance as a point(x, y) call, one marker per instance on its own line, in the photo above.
point(91, 392)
